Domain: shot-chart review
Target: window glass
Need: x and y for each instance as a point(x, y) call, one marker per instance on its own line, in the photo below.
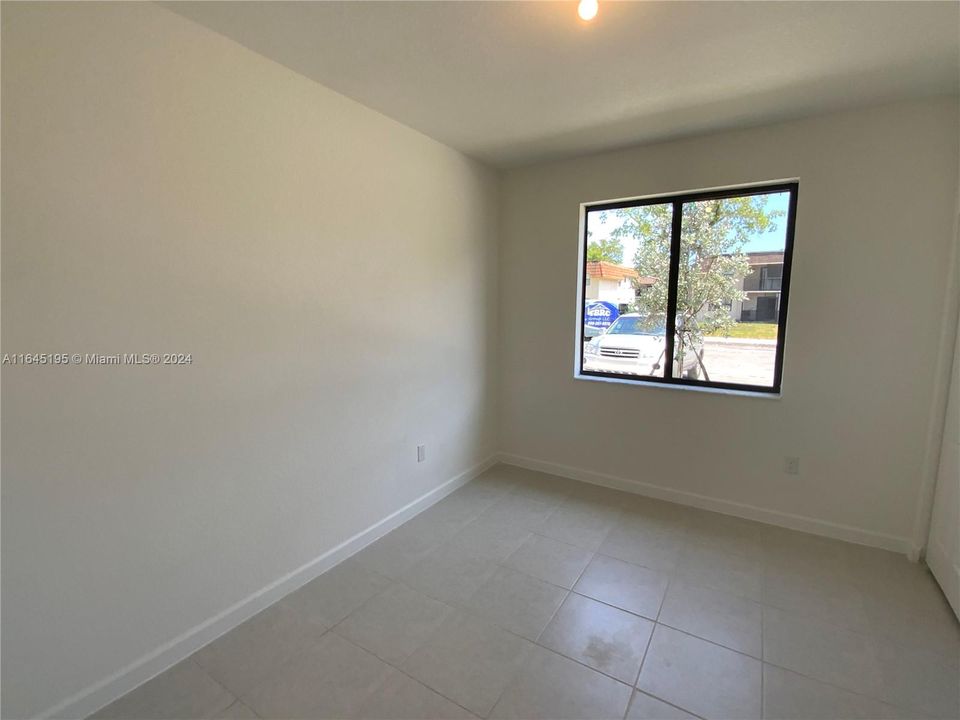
point(728, 293)
point(631, 340)
point(717, 274)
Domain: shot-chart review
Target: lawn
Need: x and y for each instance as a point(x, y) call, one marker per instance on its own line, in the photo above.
point(752, 330)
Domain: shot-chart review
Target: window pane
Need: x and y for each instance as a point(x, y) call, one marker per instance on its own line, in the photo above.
point(625, 306)
point(728, 289)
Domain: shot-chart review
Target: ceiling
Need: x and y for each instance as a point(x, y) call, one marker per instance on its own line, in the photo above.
point(517, 82)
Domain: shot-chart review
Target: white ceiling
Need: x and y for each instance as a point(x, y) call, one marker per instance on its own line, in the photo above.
point(517, 82)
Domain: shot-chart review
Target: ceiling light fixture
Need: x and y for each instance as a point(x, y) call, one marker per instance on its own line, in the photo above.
point(587, 9)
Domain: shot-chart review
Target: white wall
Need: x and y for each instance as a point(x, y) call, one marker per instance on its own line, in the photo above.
point(876, 199)
point(165, 189)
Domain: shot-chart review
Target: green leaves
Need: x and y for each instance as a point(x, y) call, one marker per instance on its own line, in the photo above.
point(606, 250)
point(712, 262)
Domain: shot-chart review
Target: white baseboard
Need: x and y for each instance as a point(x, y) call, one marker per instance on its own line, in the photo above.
point(946, 572)
point(101, 693)
point(727, 507)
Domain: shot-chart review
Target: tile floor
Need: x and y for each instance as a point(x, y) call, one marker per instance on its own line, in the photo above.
point(524, 595)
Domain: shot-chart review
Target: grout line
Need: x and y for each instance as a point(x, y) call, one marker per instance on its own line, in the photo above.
point(708, 640)
point(564, 602)
point(401, 671)
point(646, 649)
point(423, 684)
point(667, 702)
point(198, 666)
point(640, 668)
point(763, 667)
point(633, 694)
point(712, 642)
point(241, 702)
point(552, 616)
point(656, 621)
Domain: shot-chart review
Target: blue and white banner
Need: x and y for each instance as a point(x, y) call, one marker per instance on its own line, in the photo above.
point(600, 314)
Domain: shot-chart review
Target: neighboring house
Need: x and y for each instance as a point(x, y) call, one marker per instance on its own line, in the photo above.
point(614, 283)
point(762, 288)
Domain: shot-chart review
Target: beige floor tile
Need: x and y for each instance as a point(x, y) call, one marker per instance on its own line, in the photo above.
point(439, 523)
point(718, 570)
point(910, 609)
point(332, 596)
point(237, 711)
point(398, 551)
point(183, 691)
point(596, 496)
point(248, 653)
point(519, 512)
point(578, 523)
point(789, 696)
point(462, 506)
point(833, 599)
point(517, 602)
point(919, 681)
point(636, 589)
point(808, 556)
point(500, 474)
point(403, 698)
point(469, 661)
point(332, 679)
point(929, 629)
point(556, 562)
point(603, 637)
point(489, 539)
point(701, 677)
point(450, 573)
point(393, 624)
point(645, 514)
point(540, 486)
point(653, 546)
point(722, 618)
point(728, 534)
point(553, 687)
point(487, 489)
point(824, 652)
point(645, 707)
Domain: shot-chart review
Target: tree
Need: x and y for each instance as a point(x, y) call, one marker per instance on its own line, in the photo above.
point(607, 250)
point(712, 261)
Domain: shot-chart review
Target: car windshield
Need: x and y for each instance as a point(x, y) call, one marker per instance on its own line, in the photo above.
point(636, 326)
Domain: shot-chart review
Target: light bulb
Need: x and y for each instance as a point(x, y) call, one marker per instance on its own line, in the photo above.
point(587, 9)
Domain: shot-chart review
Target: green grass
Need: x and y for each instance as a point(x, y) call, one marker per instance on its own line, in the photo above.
point(752, 330)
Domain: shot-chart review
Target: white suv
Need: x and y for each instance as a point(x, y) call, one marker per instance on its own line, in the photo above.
point(633, 346)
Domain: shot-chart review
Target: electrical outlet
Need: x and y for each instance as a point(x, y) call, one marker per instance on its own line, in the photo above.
point(791, 465)
point(421, 453)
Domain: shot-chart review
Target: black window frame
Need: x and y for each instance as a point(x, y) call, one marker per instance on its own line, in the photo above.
point(677, 200)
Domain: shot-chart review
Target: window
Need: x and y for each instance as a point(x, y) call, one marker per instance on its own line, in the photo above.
point(712, 280)
point(770, 277)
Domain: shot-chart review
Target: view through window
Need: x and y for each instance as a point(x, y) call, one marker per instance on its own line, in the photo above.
point(689, 289)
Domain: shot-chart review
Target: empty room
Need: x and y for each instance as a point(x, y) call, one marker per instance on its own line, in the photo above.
point(581, 360)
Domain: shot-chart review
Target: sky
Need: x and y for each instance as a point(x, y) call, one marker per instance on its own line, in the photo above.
point(768, 241)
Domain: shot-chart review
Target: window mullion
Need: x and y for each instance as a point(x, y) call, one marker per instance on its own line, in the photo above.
point(672, 282)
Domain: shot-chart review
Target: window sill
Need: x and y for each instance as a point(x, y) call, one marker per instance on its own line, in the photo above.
point(686, 388)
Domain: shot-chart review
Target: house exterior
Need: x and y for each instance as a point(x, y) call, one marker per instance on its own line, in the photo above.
point(762, 289)
point(620, 286)
point(613, 283)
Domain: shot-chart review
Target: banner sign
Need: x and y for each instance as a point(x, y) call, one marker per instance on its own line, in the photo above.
point(600, 314)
